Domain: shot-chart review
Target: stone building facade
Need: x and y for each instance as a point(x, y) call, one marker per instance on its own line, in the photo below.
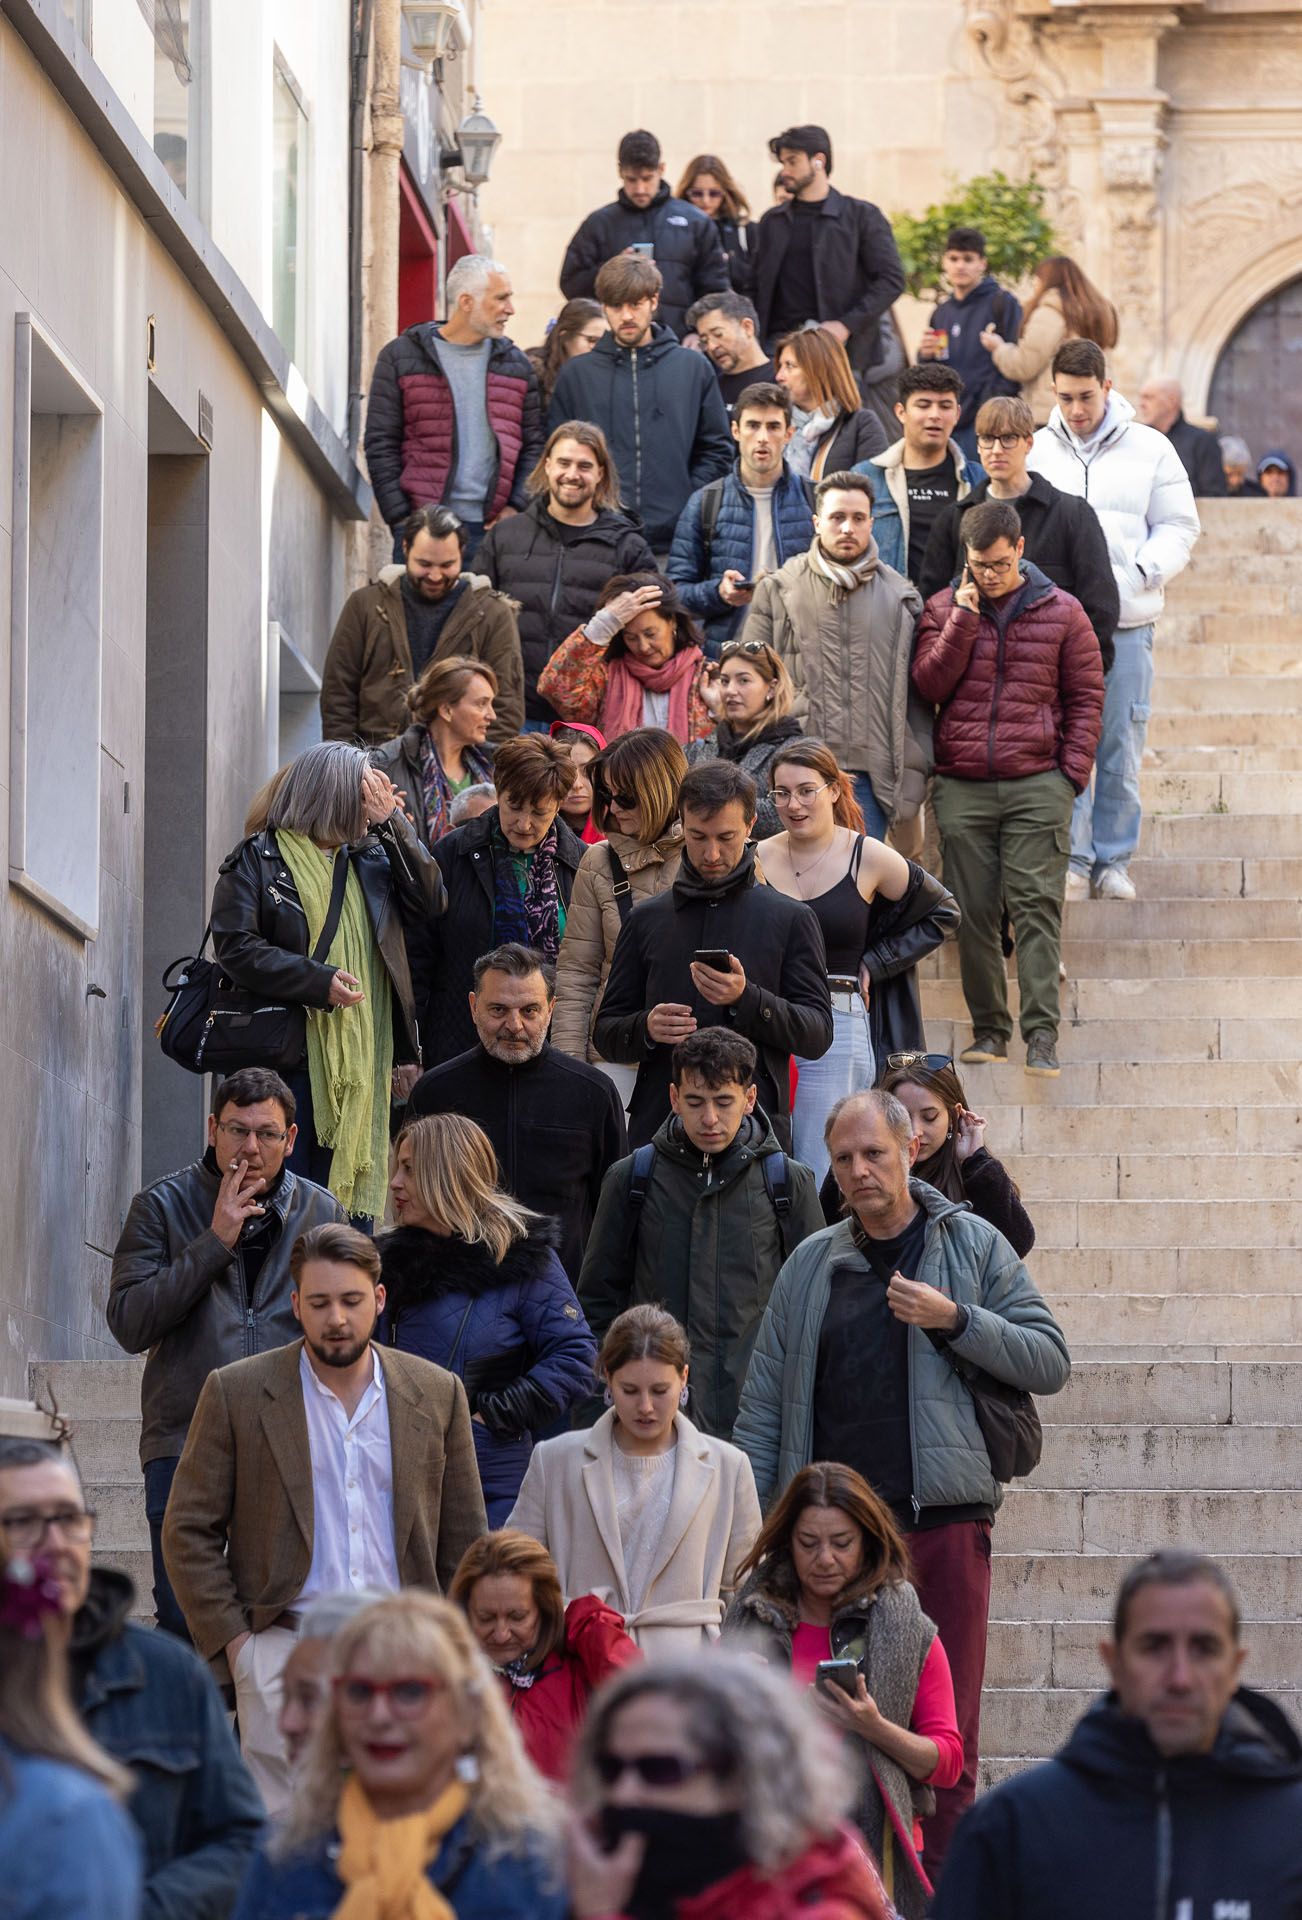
point(1170, 138)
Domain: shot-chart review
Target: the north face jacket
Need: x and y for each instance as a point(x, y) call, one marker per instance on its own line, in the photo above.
point(411, 425)
point(686, 246)
point(1009, 1332)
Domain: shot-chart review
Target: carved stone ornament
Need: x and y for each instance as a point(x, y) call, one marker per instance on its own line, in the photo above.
point(1013, 52)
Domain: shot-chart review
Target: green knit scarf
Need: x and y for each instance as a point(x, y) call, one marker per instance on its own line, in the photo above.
point(349, 1050)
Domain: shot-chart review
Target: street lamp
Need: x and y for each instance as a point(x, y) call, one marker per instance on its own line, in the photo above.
point(431, 24)
point(478, 139)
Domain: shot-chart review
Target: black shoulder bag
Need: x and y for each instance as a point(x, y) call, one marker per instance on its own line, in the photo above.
point(1007, 1416)
point(211, 1025)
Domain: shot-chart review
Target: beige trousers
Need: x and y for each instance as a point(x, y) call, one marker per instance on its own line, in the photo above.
point(259, 1667)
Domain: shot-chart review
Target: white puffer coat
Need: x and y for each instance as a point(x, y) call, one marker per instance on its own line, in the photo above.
point(1132, 477)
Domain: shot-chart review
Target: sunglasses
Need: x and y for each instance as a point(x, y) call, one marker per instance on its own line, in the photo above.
point(626, 802)
point(407, 1698)
point(753, 649)
point(937, 1062)
point(652, 1769)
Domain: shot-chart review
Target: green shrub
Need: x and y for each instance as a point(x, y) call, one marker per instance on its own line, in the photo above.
point(1010, 214)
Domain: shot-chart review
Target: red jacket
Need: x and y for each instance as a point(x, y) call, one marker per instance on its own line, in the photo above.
point(832, 1880)
point(549, 1714)
point(1014, 705)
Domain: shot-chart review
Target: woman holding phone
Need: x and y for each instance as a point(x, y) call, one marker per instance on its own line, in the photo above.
point(829, 1596)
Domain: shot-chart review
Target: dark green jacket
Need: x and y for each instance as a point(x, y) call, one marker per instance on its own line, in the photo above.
point(707, 1247)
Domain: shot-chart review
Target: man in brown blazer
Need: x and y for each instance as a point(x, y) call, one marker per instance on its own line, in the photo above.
point(322, 1466)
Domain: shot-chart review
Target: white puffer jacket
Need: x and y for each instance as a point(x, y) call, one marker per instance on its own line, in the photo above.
point(1132, 477)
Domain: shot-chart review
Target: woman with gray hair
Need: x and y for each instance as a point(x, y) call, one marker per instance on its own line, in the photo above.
point(330, 818)
point(707, 1786)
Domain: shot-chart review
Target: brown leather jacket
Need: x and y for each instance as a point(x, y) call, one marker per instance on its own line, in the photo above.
point(368, 668)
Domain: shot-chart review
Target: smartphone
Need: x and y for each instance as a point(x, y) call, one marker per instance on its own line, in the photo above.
point(716, 957)
point(743, 586)
point(647, 247)
point(838, 1673)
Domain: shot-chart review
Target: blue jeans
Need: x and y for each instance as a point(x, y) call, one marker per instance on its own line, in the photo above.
point(846, 1067)
point(159, 1475)
point(874, 820)
point(1105, 823)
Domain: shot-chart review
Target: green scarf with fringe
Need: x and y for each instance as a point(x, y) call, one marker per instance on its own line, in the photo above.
point(349, 1049)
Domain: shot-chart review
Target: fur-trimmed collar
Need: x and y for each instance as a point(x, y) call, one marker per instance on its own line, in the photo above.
point(417, 1265)
point(771, 1595)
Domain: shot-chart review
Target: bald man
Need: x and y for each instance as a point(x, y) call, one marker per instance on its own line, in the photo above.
point(1161, 405)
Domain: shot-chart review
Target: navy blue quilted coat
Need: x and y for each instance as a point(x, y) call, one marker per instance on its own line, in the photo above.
point(514, 1333)
point(698, 569)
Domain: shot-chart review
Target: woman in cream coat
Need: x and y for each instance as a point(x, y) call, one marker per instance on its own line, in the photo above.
point(1065, 305)
point(644, 1510)
point(635, 784)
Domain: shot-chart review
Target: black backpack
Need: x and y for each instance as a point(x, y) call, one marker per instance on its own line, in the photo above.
point(777, 1184)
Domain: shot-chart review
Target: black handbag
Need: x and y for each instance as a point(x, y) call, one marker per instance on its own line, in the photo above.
point(1007, 1416)
point(211, 1025)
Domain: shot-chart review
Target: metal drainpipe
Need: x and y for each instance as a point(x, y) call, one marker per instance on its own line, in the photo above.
point(363, 10)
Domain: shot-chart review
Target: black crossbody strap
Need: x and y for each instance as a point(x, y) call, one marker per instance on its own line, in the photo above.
point(335, 910)
point(620, 884)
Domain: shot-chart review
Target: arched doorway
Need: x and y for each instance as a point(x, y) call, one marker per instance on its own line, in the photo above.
point(1256, 389)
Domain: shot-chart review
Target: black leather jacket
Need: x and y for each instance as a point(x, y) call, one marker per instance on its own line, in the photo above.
point(183, 1294)
point(900, 933)
point(259, 929)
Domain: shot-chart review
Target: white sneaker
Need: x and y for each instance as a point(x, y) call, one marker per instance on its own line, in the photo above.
point(1115, 884)
point(1078, 884)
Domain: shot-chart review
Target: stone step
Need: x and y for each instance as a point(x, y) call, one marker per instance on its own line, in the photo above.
point(1131, 1127)
point(1119, 1083)
point(1141, 1519)
point(1065, 1653)
point(1153, 959)
point(1174, 1393)
point(1020, 1721)
point(1141, 1177)
point(1227, 692)
point(1139, 1224)
point(1223, 653)
point(1120, 921)
point(88, 1389)
point(137, 1563)
point(1150, 1354)
point(120, 1505)
point(108, 1450)
point(1159, 1320)
point(1234, 527)
point(1208, 755)
point(1173, 1041)
point(1185, 1270)
point(1211, 878)
point(1265, 834)
point(1061, 1586)
point(1188, 626)
point(1170, 1457)
point(1210, 792)
point(1185, 998)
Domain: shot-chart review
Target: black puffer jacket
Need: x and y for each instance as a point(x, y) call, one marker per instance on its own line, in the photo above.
point(686, 250)
point(444, 968)
point(661, 410)
point(556, 582)
point(259, 928)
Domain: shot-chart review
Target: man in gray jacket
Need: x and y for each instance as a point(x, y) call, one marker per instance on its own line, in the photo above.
point(859, 1359)
point(201, 1276)
point(842, 624)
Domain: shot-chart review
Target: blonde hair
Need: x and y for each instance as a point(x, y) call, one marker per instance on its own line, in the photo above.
point(650, 764)
point(415, 1633)
point(454, 1175)
point(750, 1726)
point(770, 667)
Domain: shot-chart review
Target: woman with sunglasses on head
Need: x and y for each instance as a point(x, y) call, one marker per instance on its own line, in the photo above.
point(952, 1154)
point(549, 1658)
point(706, 1790)
point(637, 661)
point(414, 1799)
point(750, 693)
point(643, 1509)
point(635, 784)
point(829, 1582)
point(879, 913)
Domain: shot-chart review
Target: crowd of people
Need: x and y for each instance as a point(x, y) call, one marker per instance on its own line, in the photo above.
point(586, 1357)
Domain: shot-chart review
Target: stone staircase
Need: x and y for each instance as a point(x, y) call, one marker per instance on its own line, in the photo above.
point(1163, 1170)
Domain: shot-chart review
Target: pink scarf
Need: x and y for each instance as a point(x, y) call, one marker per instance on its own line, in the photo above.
point(628, 681)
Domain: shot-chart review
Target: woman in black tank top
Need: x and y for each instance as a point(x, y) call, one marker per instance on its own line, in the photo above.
point(824, 858)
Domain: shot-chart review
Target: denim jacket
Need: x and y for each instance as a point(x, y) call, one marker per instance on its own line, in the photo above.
point(68, 1849)
point(148, 1699)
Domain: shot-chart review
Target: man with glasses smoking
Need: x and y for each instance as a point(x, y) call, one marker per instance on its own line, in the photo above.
point(142, 1695)
point(201, 1275)
point(1062, 533)
point(1014, 668)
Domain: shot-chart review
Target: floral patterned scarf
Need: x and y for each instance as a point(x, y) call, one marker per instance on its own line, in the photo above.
point(435, 788)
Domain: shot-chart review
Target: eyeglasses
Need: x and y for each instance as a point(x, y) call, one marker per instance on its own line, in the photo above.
point(783, 796)
point(1005, 440)
point(407, 1698)
point(994, 568)
point(265, 1136)
point(24, 1530)
point(652, 1769)
point(937, 1062)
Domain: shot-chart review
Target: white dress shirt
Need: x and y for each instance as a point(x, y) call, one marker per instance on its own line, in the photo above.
point(352, 1487)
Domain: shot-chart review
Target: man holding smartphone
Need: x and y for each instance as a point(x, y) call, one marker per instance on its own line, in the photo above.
point(667, 977)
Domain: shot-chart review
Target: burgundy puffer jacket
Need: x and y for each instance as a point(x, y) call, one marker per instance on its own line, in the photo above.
point(411, 426)
point(1014, 704)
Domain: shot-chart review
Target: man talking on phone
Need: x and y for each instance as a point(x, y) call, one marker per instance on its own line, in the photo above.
point(201, 1275)
point(715, 950)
